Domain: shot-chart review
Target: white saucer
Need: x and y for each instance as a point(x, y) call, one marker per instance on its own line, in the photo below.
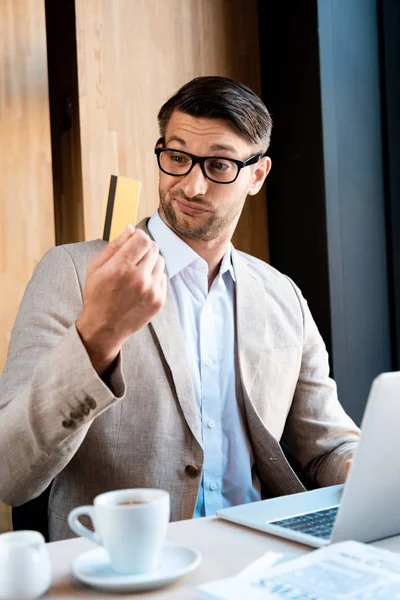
point(93, 568)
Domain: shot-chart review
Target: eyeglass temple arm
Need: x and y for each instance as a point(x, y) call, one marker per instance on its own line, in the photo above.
point(252, 160)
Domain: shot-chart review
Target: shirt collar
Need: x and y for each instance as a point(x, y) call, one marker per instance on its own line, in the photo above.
point(226, 264)
point(177, 254)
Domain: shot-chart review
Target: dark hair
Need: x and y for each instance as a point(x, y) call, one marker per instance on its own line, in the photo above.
point(221, 98)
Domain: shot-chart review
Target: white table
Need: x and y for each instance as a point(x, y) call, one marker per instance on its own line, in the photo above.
point(226, 549)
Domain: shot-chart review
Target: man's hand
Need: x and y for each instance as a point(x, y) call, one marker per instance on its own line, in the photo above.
point(347, 466)
point(125, 288)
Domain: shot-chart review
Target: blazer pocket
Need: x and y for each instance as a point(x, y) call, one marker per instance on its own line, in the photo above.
point(286, 355)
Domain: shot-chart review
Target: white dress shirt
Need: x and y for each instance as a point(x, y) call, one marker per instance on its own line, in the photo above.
point(207, 321)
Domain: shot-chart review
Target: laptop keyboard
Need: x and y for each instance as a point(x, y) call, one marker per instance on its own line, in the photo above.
point(318, 523)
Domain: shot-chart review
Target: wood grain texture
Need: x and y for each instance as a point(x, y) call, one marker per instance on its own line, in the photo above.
point(132, 55)
point(26, 196)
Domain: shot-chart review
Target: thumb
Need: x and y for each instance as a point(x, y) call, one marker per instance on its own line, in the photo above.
point(347, 466)
point(113, 247)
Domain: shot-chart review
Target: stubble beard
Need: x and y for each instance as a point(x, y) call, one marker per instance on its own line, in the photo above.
point(210, 229)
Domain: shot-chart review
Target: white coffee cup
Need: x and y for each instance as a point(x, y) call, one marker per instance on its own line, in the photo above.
point(25, 569)
point(133, 534)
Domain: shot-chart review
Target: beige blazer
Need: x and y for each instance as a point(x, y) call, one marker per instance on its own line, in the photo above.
point(59, 420)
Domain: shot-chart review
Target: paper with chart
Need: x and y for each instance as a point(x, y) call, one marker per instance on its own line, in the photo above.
point(347, 570)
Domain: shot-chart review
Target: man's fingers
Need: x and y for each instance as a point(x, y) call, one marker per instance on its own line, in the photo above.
point(158, 269)
point(132, 251)
point(160, 277)
point(149, 260)
point(347, 466)
point(112, 247)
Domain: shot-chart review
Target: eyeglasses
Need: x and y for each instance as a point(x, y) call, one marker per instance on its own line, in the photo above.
point(215, 168)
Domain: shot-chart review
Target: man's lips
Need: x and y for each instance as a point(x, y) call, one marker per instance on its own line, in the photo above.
point(189, 207)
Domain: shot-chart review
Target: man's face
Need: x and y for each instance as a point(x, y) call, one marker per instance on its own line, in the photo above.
point(193, 206)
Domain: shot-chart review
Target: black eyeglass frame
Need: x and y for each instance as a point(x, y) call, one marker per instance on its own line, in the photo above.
point(201, 160)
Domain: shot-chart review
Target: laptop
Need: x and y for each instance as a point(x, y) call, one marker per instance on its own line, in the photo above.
point(366, 508)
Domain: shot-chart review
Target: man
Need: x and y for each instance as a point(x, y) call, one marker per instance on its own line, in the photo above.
point(166, 358)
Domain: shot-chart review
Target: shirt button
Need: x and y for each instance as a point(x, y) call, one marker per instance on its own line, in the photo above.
point(211, 423)
point(213, 485)
point(208, 362)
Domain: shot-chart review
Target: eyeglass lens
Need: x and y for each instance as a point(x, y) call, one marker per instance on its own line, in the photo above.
point(179, 163)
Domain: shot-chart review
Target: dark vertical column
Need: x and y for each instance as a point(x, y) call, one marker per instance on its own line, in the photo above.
point(325, 194)
point(389, 20)
point(64, 120)
point(295, 186)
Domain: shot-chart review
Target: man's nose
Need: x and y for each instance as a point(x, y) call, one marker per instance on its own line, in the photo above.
point(194, 183)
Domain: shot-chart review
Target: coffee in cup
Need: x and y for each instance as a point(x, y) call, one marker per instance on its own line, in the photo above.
point(130, 502)
point(131, 524)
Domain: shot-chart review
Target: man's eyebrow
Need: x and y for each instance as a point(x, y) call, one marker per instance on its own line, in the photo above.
point(213, 147)
point(175, 138)
point(223, 147)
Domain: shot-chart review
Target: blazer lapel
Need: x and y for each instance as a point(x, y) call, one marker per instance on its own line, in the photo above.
point(167, 329)
point(252, 322)
point(251, 319)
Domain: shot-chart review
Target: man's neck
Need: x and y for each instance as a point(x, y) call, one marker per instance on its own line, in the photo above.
point(211, 251)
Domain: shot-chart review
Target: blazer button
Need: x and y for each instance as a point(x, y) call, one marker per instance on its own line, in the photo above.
point(85, 410)
point(191, 471)
point(76, 415)
point(68, 424)
point(90, 402)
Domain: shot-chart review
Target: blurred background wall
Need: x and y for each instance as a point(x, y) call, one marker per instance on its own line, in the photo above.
point(26, 193)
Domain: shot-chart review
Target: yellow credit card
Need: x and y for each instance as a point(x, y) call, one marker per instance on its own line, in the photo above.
point(121, 205)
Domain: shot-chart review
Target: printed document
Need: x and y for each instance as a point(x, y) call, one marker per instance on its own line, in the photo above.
point(347, 570)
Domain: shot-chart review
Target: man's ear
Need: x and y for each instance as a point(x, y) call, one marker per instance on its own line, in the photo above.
point(261, 171)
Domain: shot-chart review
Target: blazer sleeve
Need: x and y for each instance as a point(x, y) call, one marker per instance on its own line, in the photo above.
point(318, 431)
point(49, 391)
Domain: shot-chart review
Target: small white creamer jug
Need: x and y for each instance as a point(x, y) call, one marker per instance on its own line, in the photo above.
point(25, 569)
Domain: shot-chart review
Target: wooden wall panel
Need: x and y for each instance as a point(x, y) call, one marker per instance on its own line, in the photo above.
point(132, 55)
point(26, 197)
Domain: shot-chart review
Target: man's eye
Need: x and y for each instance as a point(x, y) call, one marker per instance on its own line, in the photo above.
point(178, 159)
point(220, 166)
